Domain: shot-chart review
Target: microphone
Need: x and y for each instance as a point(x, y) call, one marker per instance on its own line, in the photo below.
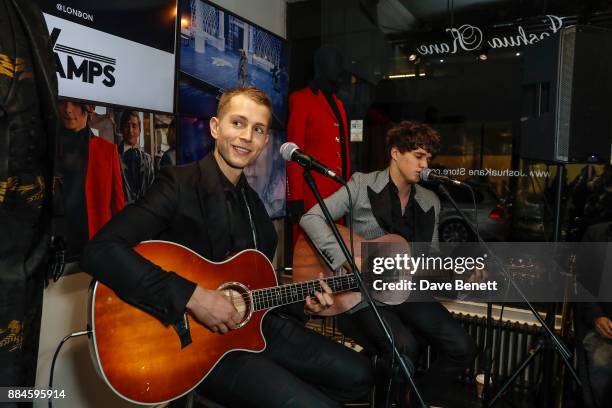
point(291, 152)
point(431, 176)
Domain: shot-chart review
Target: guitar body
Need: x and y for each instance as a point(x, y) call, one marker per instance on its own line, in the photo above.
point(308, 263)
point(141, 359)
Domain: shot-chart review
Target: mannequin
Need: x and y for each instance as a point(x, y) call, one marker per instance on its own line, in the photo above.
point(318, 125)
point(28, 129)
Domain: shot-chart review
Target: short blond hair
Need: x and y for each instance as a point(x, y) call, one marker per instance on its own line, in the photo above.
point(255, 94)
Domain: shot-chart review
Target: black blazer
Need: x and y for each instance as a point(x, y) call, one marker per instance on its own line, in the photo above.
point(185, 205)
point(21, 143)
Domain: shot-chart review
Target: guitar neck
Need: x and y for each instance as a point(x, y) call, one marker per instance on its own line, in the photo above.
point(297, 292)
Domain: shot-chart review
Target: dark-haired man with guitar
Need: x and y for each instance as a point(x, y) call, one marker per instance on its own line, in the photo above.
point(209, 208)
point(391, 202)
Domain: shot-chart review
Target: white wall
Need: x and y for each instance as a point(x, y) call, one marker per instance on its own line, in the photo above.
point(269, 14)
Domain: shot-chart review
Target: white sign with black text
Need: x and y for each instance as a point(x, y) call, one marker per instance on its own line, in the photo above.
point(96, 66)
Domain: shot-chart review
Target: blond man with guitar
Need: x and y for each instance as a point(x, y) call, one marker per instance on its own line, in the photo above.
point(209, 208)
point(391, 202)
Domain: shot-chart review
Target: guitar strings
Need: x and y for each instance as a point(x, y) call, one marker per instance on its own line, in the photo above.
point(300, 285)
point(266, 298)
point(300, 288)
point(261, 297)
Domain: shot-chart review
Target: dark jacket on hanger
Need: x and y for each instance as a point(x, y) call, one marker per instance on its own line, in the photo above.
point(28, 140)
point(21, 146)
point(28, 129)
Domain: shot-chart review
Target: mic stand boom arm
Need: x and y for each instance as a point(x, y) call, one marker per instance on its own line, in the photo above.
point(364, 292)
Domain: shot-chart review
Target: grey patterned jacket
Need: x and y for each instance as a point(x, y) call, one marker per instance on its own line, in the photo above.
point(367, 219)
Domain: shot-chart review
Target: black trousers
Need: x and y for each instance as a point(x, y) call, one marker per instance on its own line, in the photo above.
point(298, 368)
point(414, 325)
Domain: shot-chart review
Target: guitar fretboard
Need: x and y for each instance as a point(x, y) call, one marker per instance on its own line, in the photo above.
point(297, 292)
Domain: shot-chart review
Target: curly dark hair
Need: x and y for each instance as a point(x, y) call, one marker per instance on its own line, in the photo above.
point(409, 136)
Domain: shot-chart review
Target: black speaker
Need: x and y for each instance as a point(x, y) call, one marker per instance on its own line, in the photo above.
point(567, 97)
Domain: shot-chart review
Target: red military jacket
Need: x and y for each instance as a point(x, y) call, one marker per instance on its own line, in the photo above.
point(103, 185)
point(315, 129)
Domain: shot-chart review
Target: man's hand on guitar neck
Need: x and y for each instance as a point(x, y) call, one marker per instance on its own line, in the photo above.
point(213, 310)
point(323, 300)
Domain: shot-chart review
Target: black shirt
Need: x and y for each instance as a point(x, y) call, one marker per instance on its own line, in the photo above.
point(243, 233)
point(402, 223)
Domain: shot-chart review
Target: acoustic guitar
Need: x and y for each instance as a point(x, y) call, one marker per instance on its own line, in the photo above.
point(309, 262)
point(147, 362)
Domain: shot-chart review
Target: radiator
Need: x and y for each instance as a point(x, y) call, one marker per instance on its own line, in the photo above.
point(512, 342)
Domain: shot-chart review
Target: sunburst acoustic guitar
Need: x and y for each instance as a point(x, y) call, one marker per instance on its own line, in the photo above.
point(147, 362)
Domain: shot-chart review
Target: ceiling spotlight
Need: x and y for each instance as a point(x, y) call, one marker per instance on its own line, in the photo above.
point(441, 60)
point(518, 54)
point(483, 56)
point(412, 57)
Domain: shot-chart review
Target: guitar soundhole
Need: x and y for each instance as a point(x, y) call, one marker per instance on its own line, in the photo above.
point(240, 296)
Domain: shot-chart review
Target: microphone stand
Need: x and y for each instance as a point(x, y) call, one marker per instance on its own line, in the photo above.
point(561, 349)
point(364, 292)
point(489, 325)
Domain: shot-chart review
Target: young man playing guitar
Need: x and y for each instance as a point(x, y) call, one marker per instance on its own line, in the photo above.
point(209, 207)
point(391, 202)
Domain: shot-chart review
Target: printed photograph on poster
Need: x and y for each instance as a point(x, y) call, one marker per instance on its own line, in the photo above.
point(197, 98)
point(165, 140)
point(139, 146)
point(136, 153)
point(267, 175)
point(224, 51)
point(196, 140)
point(108, 159)
point(145, 142)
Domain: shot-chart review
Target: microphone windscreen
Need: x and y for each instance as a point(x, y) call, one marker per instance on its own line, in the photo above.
point(425, 174)
point(287, 149)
